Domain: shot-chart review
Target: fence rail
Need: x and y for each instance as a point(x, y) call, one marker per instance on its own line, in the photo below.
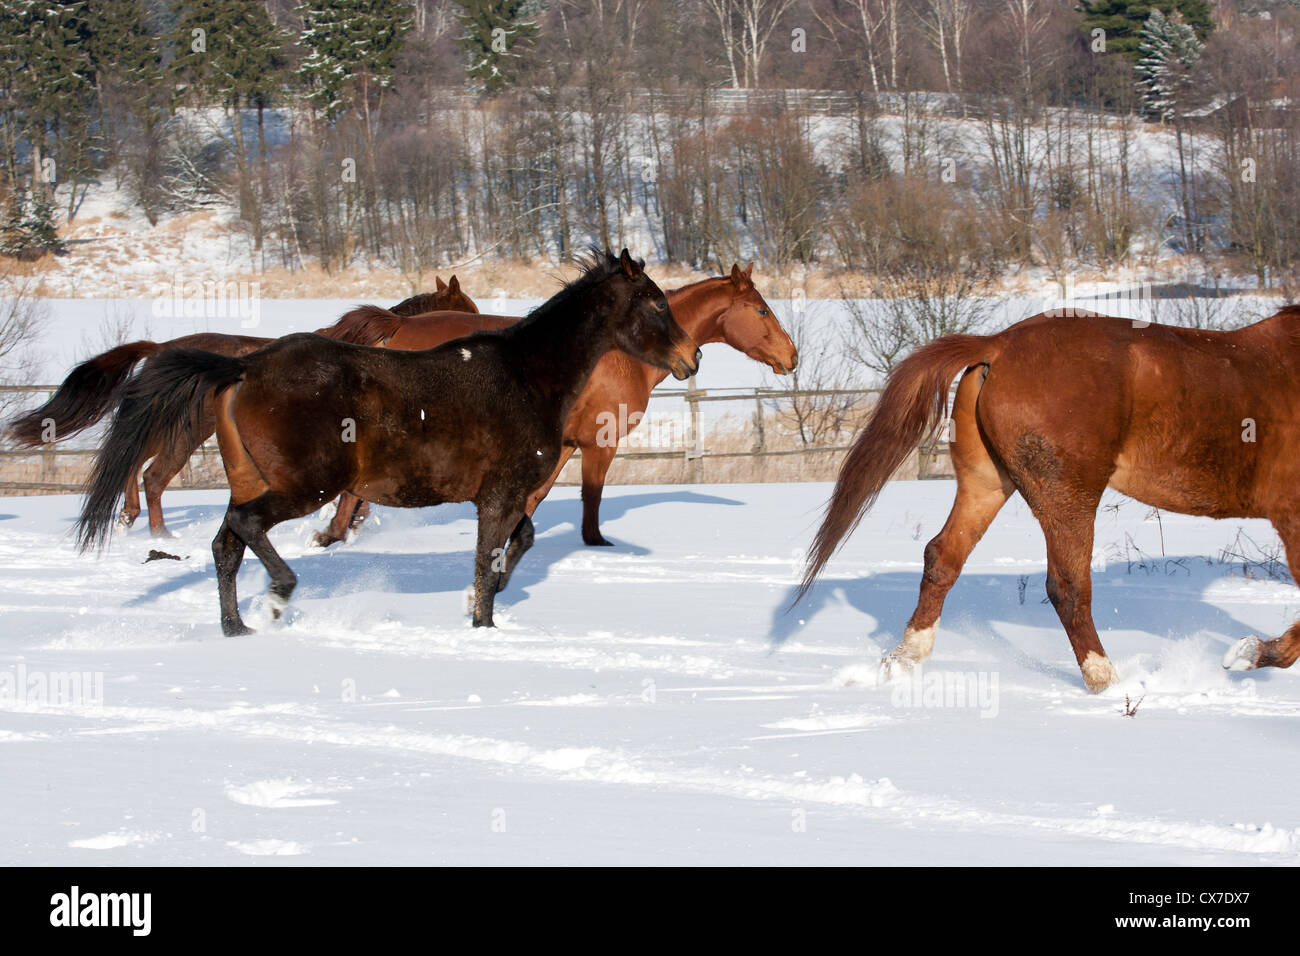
point(60, 469)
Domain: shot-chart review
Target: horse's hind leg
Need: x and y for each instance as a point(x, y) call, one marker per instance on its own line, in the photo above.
point(228, 553)
point(347, 514)
point(1067, 518)
point(982, 489)
point(251, 521)
point(130, 499)
point(159, 475)
point(1251, 652)
point(521, 539)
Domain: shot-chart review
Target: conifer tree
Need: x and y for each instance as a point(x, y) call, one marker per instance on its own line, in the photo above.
point(1170, 51)
point(350, 43)
point(1122, 20)
point(495, 32)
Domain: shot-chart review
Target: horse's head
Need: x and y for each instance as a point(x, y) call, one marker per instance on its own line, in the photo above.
point(748, 325)
point(643, 324)
point(451, 298)
point(448, 297)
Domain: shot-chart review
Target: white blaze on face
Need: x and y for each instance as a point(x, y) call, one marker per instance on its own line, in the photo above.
point(464, 353)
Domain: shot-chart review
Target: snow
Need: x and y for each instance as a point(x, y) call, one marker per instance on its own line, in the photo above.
point(646, 703)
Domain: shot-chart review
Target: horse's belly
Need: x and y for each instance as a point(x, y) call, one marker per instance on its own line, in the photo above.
point(418, 487)
point(1182, 489)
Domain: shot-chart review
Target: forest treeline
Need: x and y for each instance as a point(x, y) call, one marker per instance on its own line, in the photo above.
point(940, 142)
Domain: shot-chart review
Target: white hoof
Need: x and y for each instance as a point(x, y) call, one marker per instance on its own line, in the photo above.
point(1244, 655)
point(894, 666)
point(276, 604)
point(1098, 672)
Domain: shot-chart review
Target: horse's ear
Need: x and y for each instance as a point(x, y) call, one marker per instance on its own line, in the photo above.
point(442, 286)
point(737, 277)
point(631, 268)
point(453, 286)
point(749, 271)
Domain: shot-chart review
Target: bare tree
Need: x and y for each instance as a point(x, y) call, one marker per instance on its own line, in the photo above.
point(814, 409)
point(23, 317)
point(745, 28)
point(866, 32)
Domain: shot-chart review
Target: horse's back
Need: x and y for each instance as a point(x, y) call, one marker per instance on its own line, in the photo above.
point(1173, 417)
point(437, 328)
point(220, 342)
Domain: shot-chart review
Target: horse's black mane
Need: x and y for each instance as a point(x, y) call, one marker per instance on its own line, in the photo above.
point(597, 265)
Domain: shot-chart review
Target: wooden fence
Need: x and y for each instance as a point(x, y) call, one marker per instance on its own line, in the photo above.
point(757, 446)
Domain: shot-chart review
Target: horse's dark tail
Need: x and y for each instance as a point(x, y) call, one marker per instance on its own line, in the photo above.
point(364, 325)
point(86, 395)
point(913, 402)
point(160, 406)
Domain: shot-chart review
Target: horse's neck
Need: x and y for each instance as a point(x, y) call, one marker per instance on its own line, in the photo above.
point(559, 352)
point(697, 309)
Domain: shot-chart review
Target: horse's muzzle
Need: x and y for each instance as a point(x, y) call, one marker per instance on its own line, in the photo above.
point(684, 368)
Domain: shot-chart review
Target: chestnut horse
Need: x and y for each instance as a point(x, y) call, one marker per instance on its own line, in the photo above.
point(1061, 407)
point(722, 309)
point(308, 417)
point(95, 386)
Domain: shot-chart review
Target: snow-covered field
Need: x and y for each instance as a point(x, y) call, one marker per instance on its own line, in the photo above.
point(647, 703)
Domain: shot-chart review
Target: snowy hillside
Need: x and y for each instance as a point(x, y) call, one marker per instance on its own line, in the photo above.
point(647, 703)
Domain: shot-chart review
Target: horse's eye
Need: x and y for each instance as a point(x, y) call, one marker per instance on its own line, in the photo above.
point(763, 312)
point(661, 306)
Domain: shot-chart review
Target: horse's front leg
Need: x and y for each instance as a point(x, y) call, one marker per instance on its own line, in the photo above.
point(495, 523)
point(521, 539)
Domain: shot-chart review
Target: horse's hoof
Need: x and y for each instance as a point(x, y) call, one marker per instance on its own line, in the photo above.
point(126, 519)
point(1098, 672)
point(323, 540)
point(1244, 655)
point(597, 542)
point(894, 666)
point(238, 629)
point(161, 533)
point(277, 603)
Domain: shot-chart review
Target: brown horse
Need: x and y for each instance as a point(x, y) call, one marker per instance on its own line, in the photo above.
point(722, 309)
point(95, 386)
point(1061, 407)
point(307, 417)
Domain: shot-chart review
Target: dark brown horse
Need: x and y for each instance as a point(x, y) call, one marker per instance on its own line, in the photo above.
point(95, 386)
point(307, 417)
point(1059, 407)
point(722, 309)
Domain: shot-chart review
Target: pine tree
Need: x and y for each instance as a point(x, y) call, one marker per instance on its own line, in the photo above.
point(495, 33)
point(29, 230)
point(228, 51)
point(350, 41)
point(52, 90)
point(1170, 51)
point(1122, 20)
point(125, 62)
